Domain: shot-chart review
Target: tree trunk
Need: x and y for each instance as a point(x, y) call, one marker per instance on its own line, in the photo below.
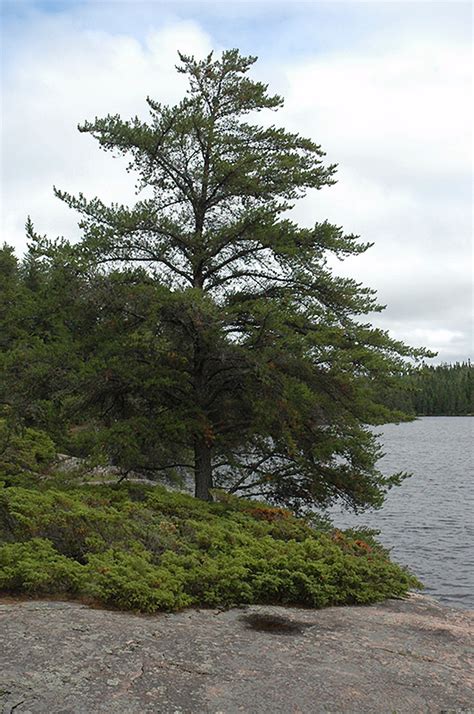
point(202, 470)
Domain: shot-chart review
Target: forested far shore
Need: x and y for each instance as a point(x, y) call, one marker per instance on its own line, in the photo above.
point(435, 390)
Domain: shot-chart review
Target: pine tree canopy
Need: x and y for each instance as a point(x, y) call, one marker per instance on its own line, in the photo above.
point(207, 333)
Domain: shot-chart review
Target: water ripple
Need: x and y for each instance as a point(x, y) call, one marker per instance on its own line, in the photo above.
point(428, 522)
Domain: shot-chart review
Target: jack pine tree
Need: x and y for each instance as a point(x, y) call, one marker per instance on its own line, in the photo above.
point(247, 365)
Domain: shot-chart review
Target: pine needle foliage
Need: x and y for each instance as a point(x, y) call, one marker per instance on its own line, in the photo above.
point(223, 345)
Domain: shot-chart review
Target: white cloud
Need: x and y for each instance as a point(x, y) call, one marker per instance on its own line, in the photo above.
point(396, 118)
point(408, 106)
point(399, 123)
point(64, 77)
point(449, 344)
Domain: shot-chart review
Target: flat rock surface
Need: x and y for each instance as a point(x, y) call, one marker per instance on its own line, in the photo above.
point(400, 656)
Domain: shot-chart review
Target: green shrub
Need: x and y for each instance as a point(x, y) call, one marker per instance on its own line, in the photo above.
point(29, 450)
point(147, 549)
point(35, 567)
point(127, 580)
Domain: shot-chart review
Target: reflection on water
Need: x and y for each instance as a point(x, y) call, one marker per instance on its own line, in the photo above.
point(429, 520)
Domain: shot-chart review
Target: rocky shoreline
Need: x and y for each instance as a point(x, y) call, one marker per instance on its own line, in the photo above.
point(400, 656)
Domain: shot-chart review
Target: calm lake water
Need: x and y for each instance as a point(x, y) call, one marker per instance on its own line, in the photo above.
point(428, 521)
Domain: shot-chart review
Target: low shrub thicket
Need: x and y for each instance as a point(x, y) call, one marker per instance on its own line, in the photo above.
point(147, 549)
point(23, 450)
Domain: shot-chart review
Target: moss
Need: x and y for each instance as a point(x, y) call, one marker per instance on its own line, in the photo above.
point(148, 549)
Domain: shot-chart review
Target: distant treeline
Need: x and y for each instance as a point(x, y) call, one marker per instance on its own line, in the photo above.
point(444, 389)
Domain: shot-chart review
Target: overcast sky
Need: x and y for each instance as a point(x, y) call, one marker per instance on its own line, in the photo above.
point(384, 87)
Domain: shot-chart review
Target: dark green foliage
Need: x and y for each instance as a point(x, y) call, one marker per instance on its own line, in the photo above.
point(43, 319)
point(147, 549)
point(24, 450)
point(35, 567)
point(201, 332)
point(438, 390)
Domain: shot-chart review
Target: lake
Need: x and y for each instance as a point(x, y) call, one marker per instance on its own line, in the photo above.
point(428, 522)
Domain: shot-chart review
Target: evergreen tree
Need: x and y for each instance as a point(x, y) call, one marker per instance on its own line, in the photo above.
point(435, 390)
point(238, 354)
point(38, 332)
